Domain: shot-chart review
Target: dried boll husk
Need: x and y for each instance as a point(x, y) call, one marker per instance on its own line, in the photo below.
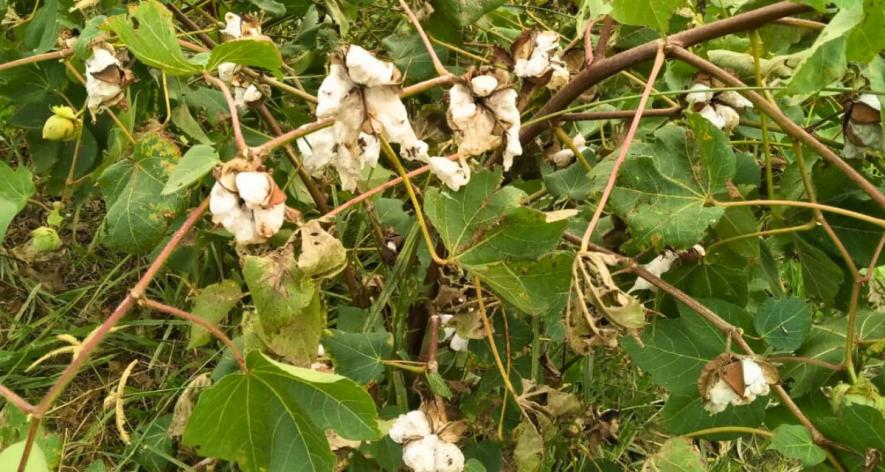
point(729, 379)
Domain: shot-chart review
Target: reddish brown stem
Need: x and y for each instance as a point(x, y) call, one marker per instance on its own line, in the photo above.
point(620, 114)
point(191, 25)
point(588, 43)
point(214, 330)
point(785, 123)
point(260, 151)
point(234, 115)
point(47, 56)
point(625, 147)
point(16, 400)
point(807, 360)
point(604, 35)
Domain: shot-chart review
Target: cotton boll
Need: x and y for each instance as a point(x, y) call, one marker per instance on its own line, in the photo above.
point(384, 107)
point(865, 135)
point(246, 233)
point(461, 103)
point(719, 397)
point(366, 69)
point(254, 188)
point(709, 113)
point(448, 457)
point(101, 93)
point(729, 116)
point(233, 27)
point(657, 266)
point(734, 99)
point(317, 150)
point(699, 93)
point(251, 94)
point(420, 456)
point(269, 221)
point(226, 71)
point(560, 76)
point(222, 201)
point(503, 104)
point(538, 63)
point(411, 425)
point(333, 91)
point(371, 149)
point(453, 174)
point(754, 379)
point(871, 101)
point(483, 85)
point(458, 343)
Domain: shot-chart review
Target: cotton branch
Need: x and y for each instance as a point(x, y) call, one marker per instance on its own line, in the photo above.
point(234, 114)
point(48, 56)
point(16, 400)
point(620, 114)
point(171, 310)
point(784, 122)
point(263, 150)
point(625, 147)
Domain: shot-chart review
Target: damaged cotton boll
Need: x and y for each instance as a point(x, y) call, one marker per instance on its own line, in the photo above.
point(453, 174)
point(248, 204)
point(721, 109)
point(410, 426)
point(532, 55)
point(105, 80)
point(863, 126)
point(732, 380)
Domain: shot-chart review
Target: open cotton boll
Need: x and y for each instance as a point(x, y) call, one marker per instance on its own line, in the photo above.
point(366, 69)
point(503, 104)
point(461, 103)
point(734, 99)
point(226, 71)
point(699, 93)
point(538, 63)
point(317, 150)
point(709, 113)
point(483, 85)
point(268, 221)
point(411, 425)
point(333, 91)
point(871, 101)
point(448, 457)
point(420, 456)
point(754, 379)
point(453, 174)
point(384, 107)
point(560, 76)
point(657, 266)
point(719, 397)
point(254, 188)
point(222, 200)
point(101, 93)
point(458, 343)
point(233, 26)
point(729, 116)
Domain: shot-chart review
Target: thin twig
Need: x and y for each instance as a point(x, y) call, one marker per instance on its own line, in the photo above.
point(602, 42)
point(437, 64)
point(242, 148)
point(620, 114)
point(588, 42)
point(47, 56)
point(16, 400)
point(259, 152)
point(813, 206)
point(211, 328)
point(808, 360)
point(625, 147)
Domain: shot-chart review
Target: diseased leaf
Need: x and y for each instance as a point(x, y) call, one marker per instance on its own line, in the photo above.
point(360, 356)
point(795, 442)
point(138, 212)
point(676, 455)
point(247, 52)
point(17, 188)
point(322, 256)
point(153, 41)
point(273, 417)
point(783, 323)
point(529, 451)
point(198, 161)
point(213, 304)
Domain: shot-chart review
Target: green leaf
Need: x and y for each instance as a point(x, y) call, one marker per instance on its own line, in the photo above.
point(685, 413)
point(860, 427)
point(247, 52)
point(664, 189)
point(825, 62)
point(826, 342)
point(41, 32)
point(290, 314)
point(821, 276)
point(676, 455)
point(12, 455)
point(408, 53)
point(867, 38)
point(198, 161)
point(92, 28)
point(212, 304)
point(571, 182)
point(710, 280)
point(783, 323)
point(508, 246)
point(795, 442)
point(274, 416)
point(438, 385)
point(465, 13)
point(154, 41)
point(652, 13)
point(138, 212)
point(272, 7)
point(17, 188)
point(360, 356)
point(185, 121)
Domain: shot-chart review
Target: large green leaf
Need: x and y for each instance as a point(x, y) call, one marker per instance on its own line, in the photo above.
point(290, 315)
point(465, 13)
point(273, 417)
point(508, 246)
point(784, 322)
point(860, 427)
point(685, 413)
point(41, 33)
point(360, 356)
point(197, 162)
point(212, 304)
point(17, 188)
point(825, 60)
point(821, 276)
point(867, 38)
point(138, 212)
point(571, 182)
point(795, 442)
point(410, 56)
point(12, 455)
point(153, 41)
point(676, 455)
point(826, 342)
point(247, 52)
point(665, 188)
point(652, 13)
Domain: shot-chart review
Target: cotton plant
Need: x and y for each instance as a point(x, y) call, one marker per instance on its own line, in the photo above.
point(236, 28)
point(361, 94)
point(722, 109)
point(863, 126)
point(425, 448)
point(483, 115)
point(106, 79)
point(247, 203)
point(734, 380)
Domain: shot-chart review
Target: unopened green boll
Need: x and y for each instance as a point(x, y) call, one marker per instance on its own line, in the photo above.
point(44, 239)
point(62, 125)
